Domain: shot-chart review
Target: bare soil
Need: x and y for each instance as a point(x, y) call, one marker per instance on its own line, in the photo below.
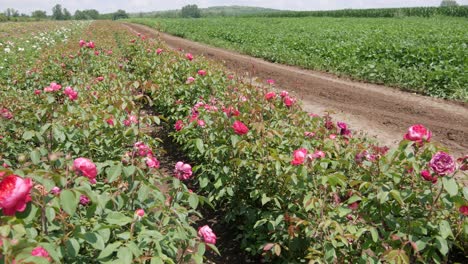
point(382, 112)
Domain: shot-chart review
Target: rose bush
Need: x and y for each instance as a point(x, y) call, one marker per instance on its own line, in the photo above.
point(301, 187)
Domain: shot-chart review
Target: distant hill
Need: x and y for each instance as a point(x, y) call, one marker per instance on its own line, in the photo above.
point(211, 11)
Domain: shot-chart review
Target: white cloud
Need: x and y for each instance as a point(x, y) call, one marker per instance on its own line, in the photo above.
point(106, 6)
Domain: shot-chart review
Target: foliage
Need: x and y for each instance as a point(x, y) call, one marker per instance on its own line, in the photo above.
point(88, 14)
point(190, 11)
point(448, 3)
point(426, 56)
point(39, 14)
point(120, 14)
point(455, 11)
point(346, 200)
point(10, 12)
point(119, 211)
point(57, 12)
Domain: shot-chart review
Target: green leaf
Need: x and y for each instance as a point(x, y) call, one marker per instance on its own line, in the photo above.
point(265, 199)
point(445, 229)
point(374, 234)
point(69, 201)
point(129, 170)
point(35, 156)
point(193, 200)
point(441, 245)
point(199, 144)
point(450, 185)
point(117, 218)
point(114, 172)
point(396, 195)
point(125, 255)
point(72, 247)
point(95, 240)
point(234, 140)
point(28, 135)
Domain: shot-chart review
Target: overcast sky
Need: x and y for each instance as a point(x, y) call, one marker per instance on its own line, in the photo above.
point(106, 6)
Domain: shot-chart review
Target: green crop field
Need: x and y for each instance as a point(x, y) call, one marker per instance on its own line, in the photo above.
point(423, 55)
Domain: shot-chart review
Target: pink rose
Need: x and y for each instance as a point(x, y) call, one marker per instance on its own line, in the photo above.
point(190, 80)
point(55, 191)
point(82, 43)
point(14, 194)
point(464, 163)
point(152, 162)
point(299, 156)
point(72, 94)
point(179, 125)
point(207, 234)
point(419, 134)
point(201, 123)
point(53, 87)
point(142, 149)
point(110, 121)
point(159, 51)
point(288, 101)
point(182, 171)
point(270, 95)
point(309, 134)
point(100, 79)
point(426, 175)
point(464, 210)
point(189, 56)
point(40, 252)
point(284, 93)
point(127, 122)
point(84, 200)
point(442, 163)
point(332, 136)
point(240, 128)
point(37, 92)
point(5, 113)
point(139, 213)
point(90, 45)
point(201, 72)
point(344, 131)
point(85, 167)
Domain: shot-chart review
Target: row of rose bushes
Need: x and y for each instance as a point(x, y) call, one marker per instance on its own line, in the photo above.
point(80, 180)
point(299, 186)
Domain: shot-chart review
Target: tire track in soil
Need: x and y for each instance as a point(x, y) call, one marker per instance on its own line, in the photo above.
point(380, 112)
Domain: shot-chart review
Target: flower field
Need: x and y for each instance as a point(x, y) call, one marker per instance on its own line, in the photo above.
point(423, 55)
point(83, 178)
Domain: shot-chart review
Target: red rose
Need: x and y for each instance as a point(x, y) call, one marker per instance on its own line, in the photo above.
point(240, 128)
point(14, 194)
point(418, 133)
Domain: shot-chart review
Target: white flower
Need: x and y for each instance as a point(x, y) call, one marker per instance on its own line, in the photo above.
point(20, 49)
point(7, 50)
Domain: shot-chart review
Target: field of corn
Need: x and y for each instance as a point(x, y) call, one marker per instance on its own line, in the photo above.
point(423, 55)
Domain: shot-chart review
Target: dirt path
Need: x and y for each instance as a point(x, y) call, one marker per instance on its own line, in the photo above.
point(384, 113)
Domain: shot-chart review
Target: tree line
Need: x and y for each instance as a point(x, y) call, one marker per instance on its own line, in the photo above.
point(60, 13)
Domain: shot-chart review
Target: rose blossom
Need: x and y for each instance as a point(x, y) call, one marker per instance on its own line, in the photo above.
point(14, 194)
point(53, 87)
point(37, 92)
point(100, 79)
point(159, 51)
point(55, 191)
point(90, 45)
point(426, 175)
point(40, 252)
point(270, 95)
point(240, 128)
point(72, 94)
point(442, 163)
point(139, 213)
point(299, 156)
point(201, 72)
point(418, 133)
point(189, 56)
point(84, 200)
point(5, 113)
point(464, 210)
point(309, 134)
point(190, 80)
point(464, 163)
point(179, 124)
point(201, 123)
point(284, 94)
point(152, 162)
point(143, 150)
point(82, 43)
point(110, 121)
point(288, 101)
point(207, 234)
point(344, 131)
point(182, 171)
point(85, 167)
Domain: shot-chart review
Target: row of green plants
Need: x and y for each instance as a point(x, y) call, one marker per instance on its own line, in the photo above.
point(80, 179)
point(454, 11)
point(426, 56)
point(301, 187)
